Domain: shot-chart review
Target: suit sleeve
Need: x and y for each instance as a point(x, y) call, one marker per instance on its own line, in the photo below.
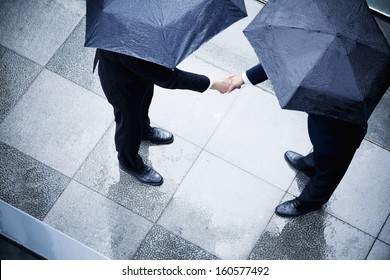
point(256, 74)
point(166, 77)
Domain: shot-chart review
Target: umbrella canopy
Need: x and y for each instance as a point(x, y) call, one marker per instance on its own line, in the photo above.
point(163, 32)
point(323, 57)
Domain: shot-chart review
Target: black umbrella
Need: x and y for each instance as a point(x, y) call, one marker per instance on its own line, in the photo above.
point(323, 57)
point(163, 32)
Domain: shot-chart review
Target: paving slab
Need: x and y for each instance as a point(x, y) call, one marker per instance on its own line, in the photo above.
point(101, 173)
point(256, 133)
point(2, 50)
point(37, 28)
point(160, 244)
point(379, 123)
point(314, 236)
point(97, 222)
point(380, 251)
point(385, 232)
point(191, 115)
point(366, 187)
point(16, 75)
point(224, 174)
point(27, 184)
point(57, 122)
point(221, 208)
point(75, 62)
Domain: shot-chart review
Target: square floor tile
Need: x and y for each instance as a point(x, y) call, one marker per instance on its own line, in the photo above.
point(37, 28)
point(160, 244)
point(28, 184)
point(101, 173)
point(57, 122)
point(2, 50)
point(16, 75)
point(385, 232)
point(98, 222)
point(314, 236)
point(221, 208)
point(379, 123)
point(256, 133)
point(380, 251)
point(192, 115)
point(75, 62)
point(363, 197)
point(384, 25)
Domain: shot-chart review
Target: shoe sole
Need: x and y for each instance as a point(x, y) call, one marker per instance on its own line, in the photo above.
point(295, 216)
point(159, 143)
point(128, 171)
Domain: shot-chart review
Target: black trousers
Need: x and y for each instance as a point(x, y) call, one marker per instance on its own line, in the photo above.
point(334, 145)
point(128, 83)
point(131, 99)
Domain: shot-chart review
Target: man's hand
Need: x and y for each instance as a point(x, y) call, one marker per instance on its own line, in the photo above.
point(221, 86)
point(236, 82)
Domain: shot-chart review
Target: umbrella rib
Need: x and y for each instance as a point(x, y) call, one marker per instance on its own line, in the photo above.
point(298, 28)
point(361, 92)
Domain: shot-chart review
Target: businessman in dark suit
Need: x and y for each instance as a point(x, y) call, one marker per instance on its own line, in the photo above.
point(128, 84)
point(334, 144)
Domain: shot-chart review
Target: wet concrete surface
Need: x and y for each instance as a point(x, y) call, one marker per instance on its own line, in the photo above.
point(224, 174)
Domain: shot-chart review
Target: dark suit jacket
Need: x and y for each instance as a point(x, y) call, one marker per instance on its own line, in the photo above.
point(256, 74)
point(122, 68)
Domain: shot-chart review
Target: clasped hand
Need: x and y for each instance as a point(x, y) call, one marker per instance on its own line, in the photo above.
point(228, 84)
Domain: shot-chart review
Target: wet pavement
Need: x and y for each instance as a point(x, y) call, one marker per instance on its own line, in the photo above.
point(224, 174)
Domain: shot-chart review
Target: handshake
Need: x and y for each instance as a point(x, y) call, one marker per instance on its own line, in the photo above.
point(228, 84)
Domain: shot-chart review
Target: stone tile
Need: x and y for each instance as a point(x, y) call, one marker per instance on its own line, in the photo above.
point(160, 244)
point(379, 123)
point(315, 236)
point(37, 28)
point(16, 75)
point(98, 222)
point(363, 197)
point(298, 184)
point(2, 50)
point(256, 133)
point(384, 25)
point(101, 173)
point(220, 208)
point(75, 62)
point(380, 251)
point(385, 232)
point(28, 184)
point(57, 123)
point(191, 115)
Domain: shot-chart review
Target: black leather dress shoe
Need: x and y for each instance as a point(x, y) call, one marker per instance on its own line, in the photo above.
point(158, 136)
point(293, 208)
point(295, 160)
point(146, 175)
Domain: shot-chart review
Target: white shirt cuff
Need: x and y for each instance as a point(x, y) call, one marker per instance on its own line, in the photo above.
point(245, 78)
point(211, 83)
